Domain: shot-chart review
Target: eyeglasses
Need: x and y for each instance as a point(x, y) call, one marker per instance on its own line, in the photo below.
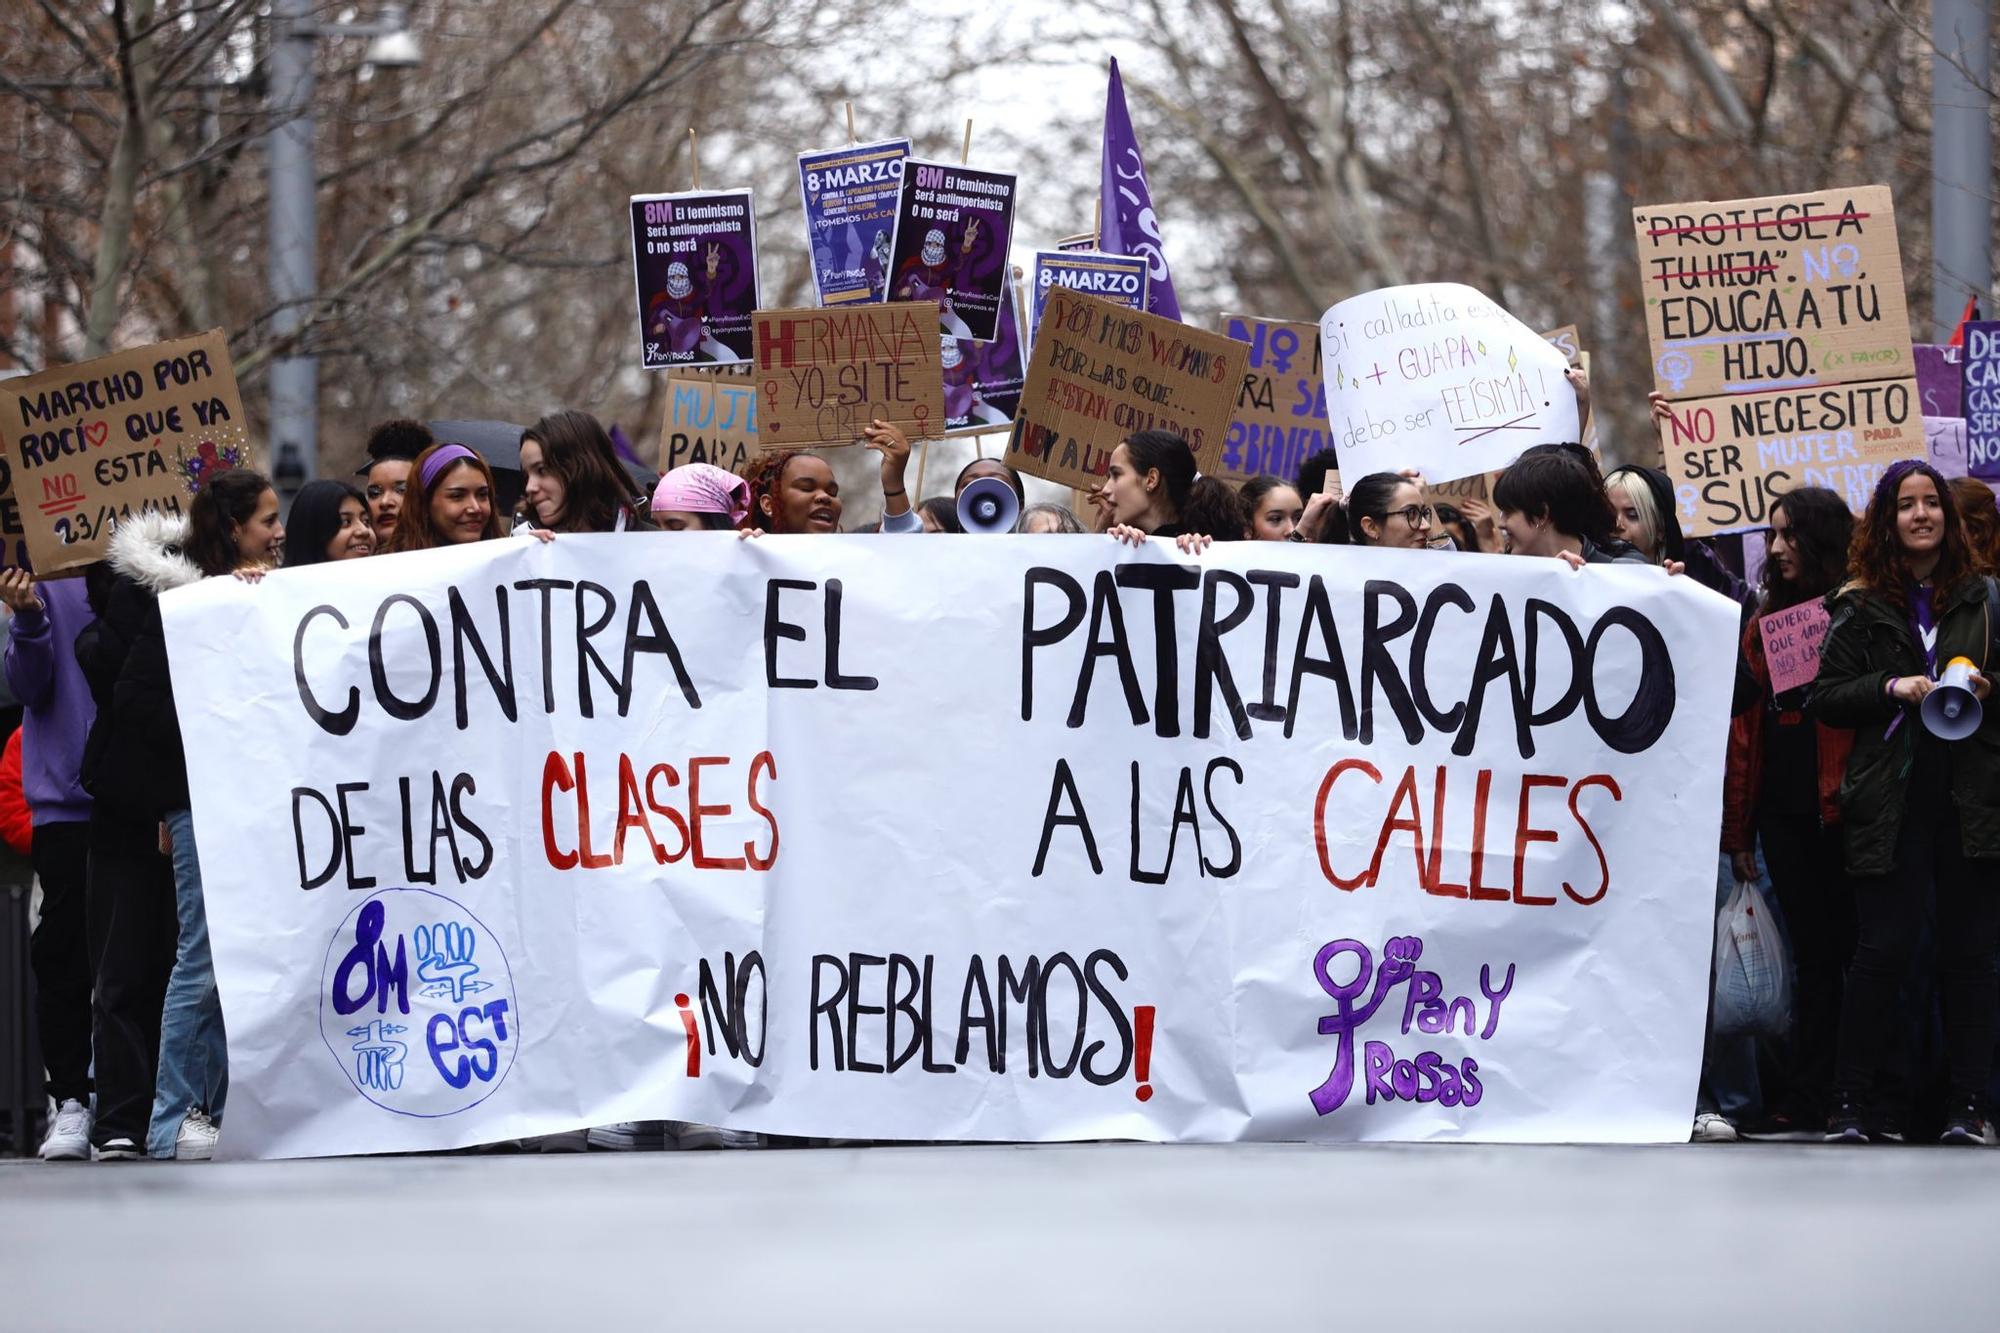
point(1414, 515)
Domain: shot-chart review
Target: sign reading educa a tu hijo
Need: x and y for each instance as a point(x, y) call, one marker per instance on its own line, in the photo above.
point(824, 374)
point(92, 444)
point(1781, 341)
point(1099, 372)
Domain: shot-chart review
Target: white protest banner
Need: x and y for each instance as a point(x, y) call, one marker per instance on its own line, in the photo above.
point(513, 838)
point(1437, 377)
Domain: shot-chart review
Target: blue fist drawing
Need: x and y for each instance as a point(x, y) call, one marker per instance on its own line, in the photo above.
point(378, 1056)
point(444, 961)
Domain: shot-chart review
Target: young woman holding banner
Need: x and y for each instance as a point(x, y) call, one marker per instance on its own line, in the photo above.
point(449, 501)
point(1921, 815)
point(575, 482)
point(1382, 509)
point(1782, 789)
point(232, 526)
point(1271, 509)
point(1150, 478)
point(793, 491)
point(329, 522)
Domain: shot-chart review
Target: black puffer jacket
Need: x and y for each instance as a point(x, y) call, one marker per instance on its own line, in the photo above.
point(133, 762)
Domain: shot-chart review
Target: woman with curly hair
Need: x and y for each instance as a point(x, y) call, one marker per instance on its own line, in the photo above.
point(792, 491)
point(1921, 815)
point(1976, 507)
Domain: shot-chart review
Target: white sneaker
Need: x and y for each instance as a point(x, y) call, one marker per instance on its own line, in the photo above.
point(1712, 1128)
point(196, 1141)
point(117, 1150)
point(69, 1133)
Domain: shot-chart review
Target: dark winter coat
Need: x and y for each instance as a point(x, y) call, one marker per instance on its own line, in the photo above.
point(133, 760)
point(1867, 641)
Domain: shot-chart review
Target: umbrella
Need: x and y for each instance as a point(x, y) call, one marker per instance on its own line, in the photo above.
point(499, 443)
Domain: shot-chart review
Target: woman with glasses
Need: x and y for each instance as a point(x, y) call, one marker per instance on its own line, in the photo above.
point(1382, 509)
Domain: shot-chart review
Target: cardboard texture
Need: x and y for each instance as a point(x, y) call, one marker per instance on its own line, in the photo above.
point(1763, 314)
point(92, 444)
point(1279, 419)
point(1791, 644)
point(709, 419)
point(823, 375)
point(1099, 372)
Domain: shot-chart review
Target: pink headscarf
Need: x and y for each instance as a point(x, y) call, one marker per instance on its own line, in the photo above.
point(702, 488)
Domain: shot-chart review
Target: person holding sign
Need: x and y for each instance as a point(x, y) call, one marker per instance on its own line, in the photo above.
point(796, 492)
point(1146, 487)
point(1921, 815)
point(329, 522)
point(575, 482)
point(1782, 789)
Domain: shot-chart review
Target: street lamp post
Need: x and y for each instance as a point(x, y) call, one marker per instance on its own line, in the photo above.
point(294, 219)
point(1961, 160)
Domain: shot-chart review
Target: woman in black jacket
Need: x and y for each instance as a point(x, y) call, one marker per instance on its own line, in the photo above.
point(231, 526)
point(1921, 815)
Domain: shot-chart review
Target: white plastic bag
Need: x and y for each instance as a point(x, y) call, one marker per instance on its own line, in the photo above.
point(1753, 990)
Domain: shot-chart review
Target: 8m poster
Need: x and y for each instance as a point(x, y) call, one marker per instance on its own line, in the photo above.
point(953, 224)
point(850, 204)
point(694, 273)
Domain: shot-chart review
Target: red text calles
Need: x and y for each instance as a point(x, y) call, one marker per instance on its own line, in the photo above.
point(646, 803)
point(1351, 786)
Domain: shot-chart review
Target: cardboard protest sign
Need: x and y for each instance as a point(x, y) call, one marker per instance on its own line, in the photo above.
point(1982, 398)
point(1940, 379)
point(982, 381)
point(1437, 377)
point(1155, 871)
point(1792, 639)
point(953, 225)
point(823, 375)
point(92, 444)
point(1944, 441)
point(850, 206)
point(694, 272)
point(1099, 372)
point(1280, 416)
point(1119, 279)
point(1082, 241)
point(1780, 336)
point(709, 419)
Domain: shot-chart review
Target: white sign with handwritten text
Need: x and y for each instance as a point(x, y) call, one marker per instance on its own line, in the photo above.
point(1437, 377)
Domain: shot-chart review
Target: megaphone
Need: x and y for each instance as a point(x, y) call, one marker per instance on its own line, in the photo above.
point(1951, 710)
point(988, 505)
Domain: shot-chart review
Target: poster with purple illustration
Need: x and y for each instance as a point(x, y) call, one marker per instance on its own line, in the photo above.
point(1982, 398)
point(850, 202)
point(953, 224)
point(982, 381)
point(694, 274)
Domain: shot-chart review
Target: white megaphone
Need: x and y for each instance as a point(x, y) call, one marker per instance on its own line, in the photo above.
point(988, 505)
point(1951, 710)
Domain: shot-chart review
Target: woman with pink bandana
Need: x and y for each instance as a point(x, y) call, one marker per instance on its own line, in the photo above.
point(701, 497)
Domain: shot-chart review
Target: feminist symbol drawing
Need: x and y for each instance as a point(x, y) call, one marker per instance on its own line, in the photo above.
point(444, 961)
point(378, 1056)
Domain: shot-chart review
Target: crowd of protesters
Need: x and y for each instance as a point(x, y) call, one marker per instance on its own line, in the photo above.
point(1879, 842)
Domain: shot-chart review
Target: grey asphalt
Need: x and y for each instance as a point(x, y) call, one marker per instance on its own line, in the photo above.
point(1719, 1238)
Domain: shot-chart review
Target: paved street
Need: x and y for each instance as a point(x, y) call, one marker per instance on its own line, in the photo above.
point(1112, 1236)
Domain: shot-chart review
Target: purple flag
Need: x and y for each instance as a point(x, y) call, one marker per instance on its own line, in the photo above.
point(1129, 226)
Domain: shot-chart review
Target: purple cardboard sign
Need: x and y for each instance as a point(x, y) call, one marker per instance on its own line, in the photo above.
point(1938, 379)
point(982, 381)
point(1944, 441)
point(1791, 644)
point(1982, 398)
point(694, 274)
point(953, 225)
